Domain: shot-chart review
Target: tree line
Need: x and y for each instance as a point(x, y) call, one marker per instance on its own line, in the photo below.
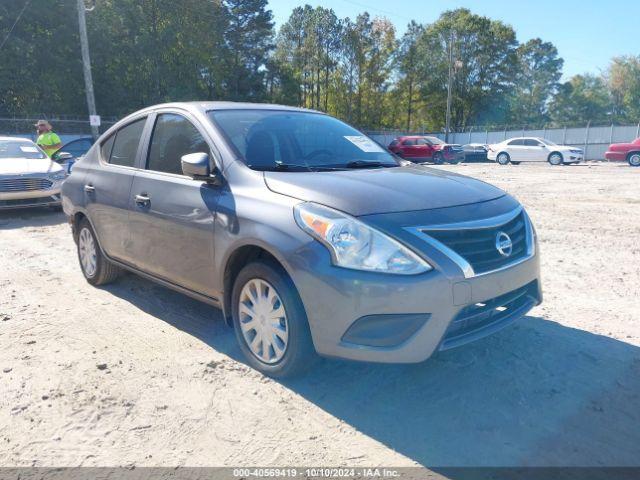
point(150, 51)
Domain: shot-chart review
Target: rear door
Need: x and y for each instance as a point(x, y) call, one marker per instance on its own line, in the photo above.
point(517, 150)
point(172, 215)
point(408, 148)
point(107, 186)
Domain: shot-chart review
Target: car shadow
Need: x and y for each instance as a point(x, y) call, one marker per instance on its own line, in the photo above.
point(30, 217)
point(535, 394)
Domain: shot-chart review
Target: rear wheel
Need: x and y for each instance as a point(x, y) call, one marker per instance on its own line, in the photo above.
point(270, 321)
point(634, 159)
point(503, 158)
point(95, 267)
point(556, 159)
point(437, 158)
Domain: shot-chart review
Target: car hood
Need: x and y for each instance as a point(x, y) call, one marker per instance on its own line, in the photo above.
point(383, 190)
point(17, 166)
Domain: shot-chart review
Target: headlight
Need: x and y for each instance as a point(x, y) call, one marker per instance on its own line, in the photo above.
point(61, 175)
point(354, 245)
point(576, 151)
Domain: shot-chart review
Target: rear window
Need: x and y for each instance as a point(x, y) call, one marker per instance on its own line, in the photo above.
point(125, 145)
point(516, 142)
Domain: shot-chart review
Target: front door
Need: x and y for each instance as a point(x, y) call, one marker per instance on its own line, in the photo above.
point(172, 215)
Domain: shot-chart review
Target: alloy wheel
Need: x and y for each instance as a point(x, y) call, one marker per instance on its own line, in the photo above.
point(634, 160)
point(263, 321)
point(555, 159)
point(87, 252)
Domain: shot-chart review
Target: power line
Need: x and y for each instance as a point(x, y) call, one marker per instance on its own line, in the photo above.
point(26, 4)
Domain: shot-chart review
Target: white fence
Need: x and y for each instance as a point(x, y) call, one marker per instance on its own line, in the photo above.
point(594, 140)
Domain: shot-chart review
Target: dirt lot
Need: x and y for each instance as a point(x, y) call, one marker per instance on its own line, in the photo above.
point(134, 374)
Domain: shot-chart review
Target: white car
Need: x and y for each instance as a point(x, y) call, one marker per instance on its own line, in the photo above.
point(533, 149)
point(28, 178)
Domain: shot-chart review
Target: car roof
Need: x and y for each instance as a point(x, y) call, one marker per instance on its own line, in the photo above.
point(220, 105)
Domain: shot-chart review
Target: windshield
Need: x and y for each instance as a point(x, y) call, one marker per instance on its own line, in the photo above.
point(282, 140)
point(19, 149)
point(434, 140)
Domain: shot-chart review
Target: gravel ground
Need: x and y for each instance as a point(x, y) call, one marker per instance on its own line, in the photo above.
point(134, 374)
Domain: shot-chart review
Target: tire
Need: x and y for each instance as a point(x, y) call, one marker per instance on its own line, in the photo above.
point(264, 279)
point(503, 158)
point(97, 270)
point(555, 159)
point(634, 159)
point(437, 158)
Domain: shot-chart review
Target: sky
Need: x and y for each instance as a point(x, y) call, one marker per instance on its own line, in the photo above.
point(587, 33)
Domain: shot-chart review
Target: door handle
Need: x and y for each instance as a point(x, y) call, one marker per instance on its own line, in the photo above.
point(89, 188)
point(142, 200)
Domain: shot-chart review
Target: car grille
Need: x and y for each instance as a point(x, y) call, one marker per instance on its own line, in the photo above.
point(478, 245)
point(24, 184)
point(491, 313)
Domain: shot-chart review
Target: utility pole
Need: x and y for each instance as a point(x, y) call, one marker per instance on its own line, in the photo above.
point(86, 66)
point(448, 118)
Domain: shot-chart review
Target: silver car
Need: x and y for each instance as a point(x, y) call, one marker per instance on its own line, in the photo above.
point(28, 178)
point(311, 237)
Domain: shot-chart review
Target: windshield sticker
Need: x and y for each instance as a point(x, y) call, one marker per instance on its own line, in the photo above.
point(28, 149)
point(364, 144)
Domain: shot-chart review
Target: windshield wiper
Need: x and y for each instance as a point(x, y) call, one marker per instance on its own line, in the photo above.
point(365, 164)
point(280, 167)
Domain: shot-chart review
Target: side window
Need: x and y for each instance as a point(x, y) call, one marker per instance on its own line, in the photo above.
point(421, 141)
point(126, 144)
point(530, 142)
point(173, 136)
point(409, 142)
point(105, 148)
point(516, 142)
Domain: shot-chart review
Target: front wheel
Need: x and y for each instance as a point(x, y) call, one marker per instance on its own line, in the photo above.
point(270, 322)
point(503, 158)
point(95, 267)
point(634, 159)
point(556, 159)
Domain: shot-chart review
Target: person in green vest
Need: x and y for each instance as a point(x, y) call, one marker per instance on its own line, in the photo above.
point(47, 139)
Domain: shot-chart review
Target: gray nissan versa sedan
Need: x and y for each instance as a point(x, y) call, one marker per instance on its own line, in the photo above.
point(310, 236)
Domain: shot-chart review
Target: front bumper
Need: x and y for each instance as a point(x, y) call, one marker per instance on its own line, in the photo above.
point(615, 156)
point(408, 317)
point(32, 198)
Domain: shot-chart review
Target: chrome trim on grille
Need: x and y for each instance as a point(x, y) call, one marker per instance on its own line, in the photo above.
point(24, 184)
point(492, 222)
point(476, 224)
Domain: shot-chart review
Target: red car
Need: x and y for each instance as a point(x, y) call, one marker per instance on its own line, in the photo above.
point(420, 148)
point(629, 152)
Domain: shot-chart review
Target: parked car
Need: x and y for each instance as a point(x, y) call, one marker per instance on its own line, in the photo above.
point(475, 152)
point(533, 149)
point(28, 177)
point(310, 236)
point(420, 149)
point(70, 152)
point(629, 152)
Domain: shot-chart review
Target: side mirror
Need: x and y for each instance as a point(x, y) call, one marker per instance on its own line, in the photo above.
point(196, 166)
point(61, 156)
